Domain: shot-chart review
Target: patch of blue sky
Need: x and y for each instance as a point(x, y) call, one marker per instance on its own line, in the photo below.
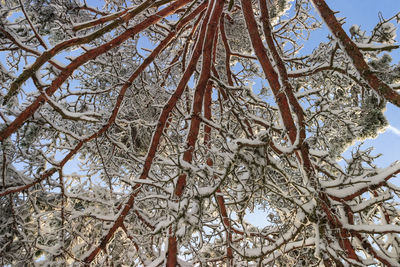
point(365, 13)
point(144, 45)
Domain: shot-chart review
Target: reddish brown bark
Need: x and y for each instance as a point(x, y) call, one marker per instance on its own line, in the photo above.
point(173, 100)
point(219, 197)
point(228, 52)
point(365, 189)
point(79, 61)
point(122, 18)
point(47, 55)
point(370, 249)
point(342, 234)
point(276, 73)
point(129, 204)
point(27, 49)
point(163, 44)
point(155, 140)
point(269, 71)
point(283, 99)
point(38, 37)
point(42, 177)
point(355, 55)
point(287, 87)
point(196, 111)
point(201, 86)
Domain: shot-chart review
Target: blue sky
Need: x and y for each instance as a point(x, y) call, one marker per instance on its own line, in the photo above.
point(365, 14)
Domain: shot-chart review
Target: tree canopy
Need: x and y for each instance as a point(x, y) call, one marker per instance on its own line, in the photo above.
point(140, 133)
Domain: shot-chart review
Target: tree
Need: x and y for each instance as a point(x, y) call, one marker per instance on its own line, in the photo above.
point(176, 142)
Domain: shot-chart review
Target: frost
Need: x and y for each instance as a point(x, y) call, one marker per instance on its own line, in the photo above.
point(387, 32)
point(94, 159)
point(365, 182)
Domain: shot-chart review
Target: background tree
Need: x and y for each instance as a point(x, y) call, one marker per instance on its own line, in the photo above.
point(175, 142)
